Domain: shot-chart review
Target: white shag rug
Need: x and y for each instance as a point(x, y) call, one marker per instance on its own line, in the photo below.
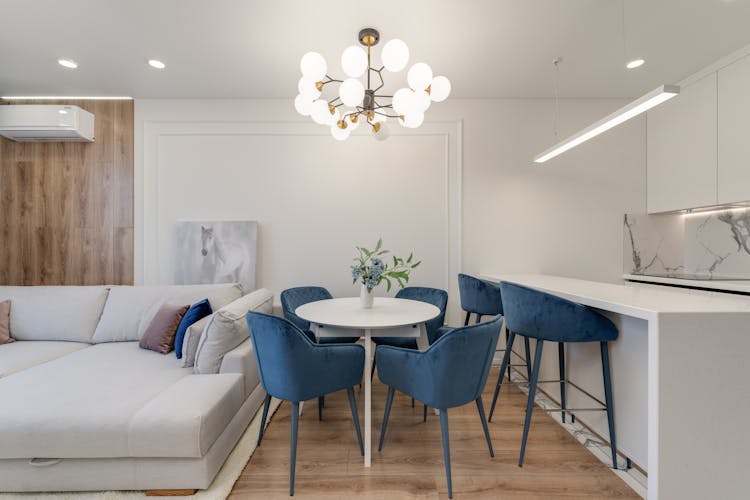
point(219, 489)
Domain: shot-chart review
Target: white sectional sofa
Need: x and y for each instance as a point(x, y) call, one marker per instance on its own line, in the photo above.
point(82, 407)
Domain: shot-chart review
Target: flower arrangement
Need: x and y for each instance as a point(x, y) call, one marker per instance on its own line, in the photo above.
point(371, 270)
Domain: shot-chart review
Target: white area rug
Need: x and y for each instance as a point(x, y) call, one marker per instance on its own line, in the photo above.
point(219, 489)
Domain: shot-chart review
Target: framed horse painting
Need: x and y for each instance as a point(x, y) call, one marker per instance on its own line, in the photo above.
point(216, 252)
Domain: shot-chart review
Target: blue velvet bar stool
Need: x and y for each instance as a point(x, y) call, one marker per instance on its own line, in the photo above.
point(293, 368)
point(451, 372)
point(546, 317)
point(484, 298)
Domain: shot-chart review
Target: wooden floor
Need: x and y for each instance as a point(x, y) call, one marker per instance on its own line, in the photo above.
point(411, 464)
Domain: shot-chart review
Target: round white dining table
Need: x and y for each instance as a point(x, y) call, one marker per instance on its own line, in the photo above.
point(388, 317)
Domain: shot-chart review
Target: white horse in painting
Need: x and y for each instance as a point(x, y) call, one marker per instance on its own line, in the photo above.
point(223, 261)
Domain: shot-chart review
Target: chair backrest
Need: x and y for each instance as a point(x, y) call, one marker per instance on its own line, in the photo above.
point(460, 361)
point(279, 347)
point(292, 298)
point(541, 315)
point(434, 296)
point(479, 296)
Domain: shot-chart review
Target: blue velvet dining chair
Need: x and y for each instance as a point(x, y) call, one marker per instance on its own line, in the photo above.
point(546, 317)
point(292, 298)
point(484, 298)
point(293, 368)
point(452, 372)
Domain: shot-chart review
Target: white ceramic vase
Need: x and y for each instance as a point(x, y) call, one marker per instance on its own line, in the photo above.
point(366, 297)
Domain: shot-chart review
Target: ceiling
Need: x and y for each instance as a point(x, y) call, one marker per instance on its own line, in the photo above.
point(251, 49)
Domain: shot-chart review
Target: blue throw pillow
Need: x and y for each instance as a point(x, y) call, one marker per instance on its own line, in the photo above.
point(196, 312)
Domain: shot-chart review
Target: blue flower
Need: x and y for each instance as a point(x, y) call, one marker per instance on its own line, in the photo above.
point(378, 263)
point(374, 272)
point(357, 272)
point(371, 282)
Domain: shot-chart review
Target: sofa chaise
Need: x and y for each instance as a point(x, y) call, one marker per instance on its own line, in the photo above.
point(82, 407)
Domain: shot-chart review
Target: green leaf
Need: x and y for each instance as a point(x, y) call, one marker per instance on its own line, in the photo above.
point(388, 283)
point(379, 245)
point(411, 256)
point(415, 265)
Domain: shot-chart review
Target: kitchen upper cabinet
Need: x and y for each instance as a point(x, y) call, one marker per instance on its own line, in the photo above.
point(682, 149)
point(734, 132)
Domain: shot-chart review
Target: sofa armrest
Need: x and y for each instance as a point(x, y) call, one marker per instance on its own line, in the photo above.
point(242, 360)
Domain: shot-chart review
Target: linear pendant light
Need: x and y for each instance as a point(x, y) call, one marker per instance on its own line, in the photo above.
point(635, 108)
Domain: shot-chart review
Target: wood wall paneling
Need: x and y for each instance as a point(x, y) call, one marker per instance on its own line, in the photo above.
point(66, 209)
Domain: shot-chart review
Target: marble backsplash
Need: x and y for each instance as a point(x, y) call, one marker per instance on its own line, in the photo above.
point(707, 245)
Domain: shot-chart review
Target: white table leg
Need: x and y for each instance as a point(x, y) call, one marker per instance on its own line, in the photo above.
point(368, 398)
point(423, 342)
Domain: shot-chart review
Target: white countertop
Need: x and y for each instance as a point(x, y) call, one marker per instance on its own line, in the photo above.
point(726, 285)
point(632, 299)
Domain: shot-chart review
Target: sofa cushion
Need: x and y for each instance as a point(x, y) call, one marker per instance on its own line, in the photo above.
point(130, 309)
point(197, 311)
point(54, 312)
point(185, 419)
point(5, 337)
point(160, 333)
point(228, 328)
point(191, 340)
point(81, 405)
point(26, 354)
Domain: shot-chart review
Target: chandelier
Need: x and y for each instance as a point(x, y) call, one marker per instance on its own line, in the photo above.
point(354, 102)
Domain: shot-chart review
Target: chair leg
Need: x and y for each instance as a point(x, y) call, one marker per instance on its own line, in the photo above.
point(446, 448)
point(293, 446)
point(321, 403)
point(412, 402)
point(479, 318)
point(480, 408)
point(528, 357)
point(424, 415)
point(561, 363)
point(372, 371)
point(608, 399)
point(508, 346)
point(468, 317)
point(355, 416)
point(532, 393)
point(388, 402)
point(506, 359)
point(266, 404)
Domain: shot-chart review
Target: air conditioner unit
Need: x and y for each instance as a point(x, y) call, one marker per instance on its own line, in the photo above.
point(46, 123)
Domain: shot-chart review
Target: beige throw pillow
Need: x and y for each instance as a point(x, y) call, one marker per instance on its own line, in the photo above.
point(227, 329)
point(190, 342)
point(5, 322)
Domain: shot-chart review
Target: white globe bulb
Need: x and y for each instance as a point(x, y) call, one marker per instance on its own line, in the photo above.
point(395, 55)
point(340, 134)
point(378, 118)
point(319, 112)
point(421, 101)
point(354, 61)
point(303, 105)
point(351, 92)
point(403, 101)
point(306, 86)
point(334, 117)
point(383, 133)
point(412, 120)
point(440, 89)
point(313, 66)
point(419, 76)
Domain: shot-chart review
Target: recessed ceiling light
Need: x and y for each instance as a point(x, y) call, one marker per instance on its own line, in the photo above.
point(68, 63)
point(155, 63)
point(635, 63)
point(62, 111)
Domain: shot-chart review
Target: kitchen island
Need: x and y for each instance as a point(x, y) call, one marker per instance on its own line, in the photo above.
point(685, 419)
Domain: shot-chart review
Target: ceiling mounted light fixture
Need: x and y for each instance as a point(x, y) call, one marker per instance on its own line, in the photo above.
point(157, 64)
point(354, 102)
point(635, 63)
point(635, 108)
point(67, 63)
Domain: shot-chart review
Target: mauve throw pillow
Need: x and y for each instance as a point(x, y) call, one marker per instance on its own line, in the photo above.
point(5, 322)
point(197, 311)
point(159, 336)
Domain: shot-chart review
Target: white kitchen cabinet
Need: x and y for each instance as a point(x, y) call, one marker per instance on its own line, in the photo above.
point(734, 132)
point(682, 149)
